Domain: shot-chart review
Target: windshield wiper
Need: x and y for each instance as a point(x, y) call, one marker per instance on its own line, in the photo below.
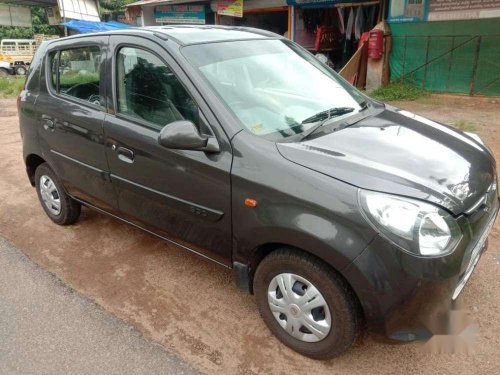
point(322, 118)
point(363, 105)
point(325, 115)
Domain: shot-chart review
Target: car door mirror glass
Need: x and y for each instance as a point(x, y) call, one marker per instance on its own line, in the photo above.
point(184, 135)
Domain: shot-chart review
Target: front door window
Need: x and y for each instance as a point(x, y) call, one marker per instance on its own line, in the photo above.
point(148, 90)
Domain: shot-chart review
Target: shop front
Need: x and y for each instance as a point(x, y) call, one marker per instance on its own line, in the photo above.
point(333, 28)
point(271, 15)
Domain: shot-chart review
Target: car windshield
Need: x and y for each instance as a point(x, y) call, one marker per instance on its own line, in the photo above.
point(273, 86)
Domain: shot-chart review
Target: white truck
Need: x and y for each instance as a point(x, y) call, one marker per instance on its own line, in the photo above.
point(5, 69)
point(18, 53)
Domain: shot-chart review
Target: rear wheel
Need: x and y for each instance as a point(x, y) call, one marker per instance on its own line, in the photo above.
point(21, 70)
point(306, 304)
point(58, 206)
point(4, 72)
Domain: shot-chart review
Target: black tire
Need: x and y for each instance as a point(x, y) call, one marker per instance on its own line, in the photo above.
point(21, 70)
point(341, 301)
point(69, 208)
point(4, 72)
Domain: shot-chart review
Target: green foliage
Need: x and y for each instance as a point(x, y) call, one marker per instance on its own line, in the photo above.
point(69, 80)
point(40, 26)
point(464, 125)
point(10, 87)
point(111, 6)
point(398, 91)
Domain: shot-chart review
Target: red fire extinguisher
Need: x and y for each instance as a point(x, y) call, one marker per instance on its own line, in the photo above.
point(376, 44)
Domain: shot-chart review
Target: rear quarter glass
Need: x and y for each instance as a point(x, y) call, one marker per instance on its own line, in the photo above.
point(33, 76)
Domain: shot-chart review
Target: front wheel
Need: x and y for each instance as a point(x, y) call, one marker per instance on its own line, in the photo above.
point(58, 205)
point(306, 304)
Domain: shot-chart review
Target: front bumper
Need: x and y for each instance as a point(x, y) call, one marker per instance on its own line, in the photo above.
point(402, 294)
point(10, 69)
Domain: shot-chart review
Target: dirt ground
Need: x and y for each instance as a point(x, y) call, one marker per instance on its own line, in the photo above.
point(191, 306)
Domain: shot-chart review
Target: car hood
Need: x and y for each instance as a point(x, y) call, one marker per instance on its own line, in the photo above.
point(397, 152)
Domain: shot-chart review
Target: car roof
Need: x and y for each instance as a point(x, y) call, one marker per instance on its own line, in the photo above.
point(187, 34)
point(211, 33)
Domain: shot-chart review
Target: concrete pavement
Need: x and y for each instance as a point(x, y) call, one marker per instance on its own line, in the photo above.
point(48, 328)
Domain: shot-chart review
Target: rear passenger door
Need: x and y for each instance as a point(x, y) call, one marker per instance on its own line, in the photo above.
point(183, 195)
point(71, 109)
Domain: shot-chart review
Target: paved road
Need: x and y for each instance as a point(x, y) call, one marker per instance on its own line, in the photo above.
point(48, 328)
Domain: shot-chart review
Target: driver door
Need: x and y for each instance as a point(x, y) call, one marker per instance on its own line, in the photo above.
point(71, 110)
point(182, 195)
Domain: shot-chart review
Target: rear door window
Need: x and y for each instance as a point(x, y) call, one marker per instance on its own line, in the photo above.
point(76, 73)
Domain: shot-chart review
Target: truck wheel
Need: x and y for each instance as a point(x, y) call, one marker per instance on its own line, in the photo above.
point(58, 206)
point(306, 304)
point(4, 72)
point(21, 70)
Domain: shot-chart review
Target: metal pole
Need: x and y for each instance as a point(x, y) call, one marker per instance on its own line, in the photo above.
point(64, 17)
point(474, 68)
point(450, 63)
point(426, 61)
point(98, 8)
point(404, 59)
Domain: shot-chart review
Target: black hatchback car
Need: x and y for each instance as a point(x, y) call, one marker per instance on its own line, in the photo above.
point(238, 145)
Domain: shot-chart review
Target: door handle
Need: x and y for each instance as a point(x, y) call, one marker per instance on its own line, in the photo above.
point(48, 123)
point(125, 155)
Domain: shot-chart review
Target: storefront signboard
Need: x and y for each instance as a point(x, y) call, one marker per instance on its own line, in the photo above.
point(445, 10)
point(233, 8)
point(180, 14)
point(320, 3)
point(442, 10)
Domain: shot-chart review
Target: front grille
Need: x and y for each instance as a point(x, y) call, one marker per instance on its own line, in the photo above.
point(474, 259)
point(481, 221)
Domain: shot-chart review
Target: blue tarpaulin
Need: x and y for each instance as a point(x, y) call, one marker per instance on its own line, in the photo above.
point(92, 26)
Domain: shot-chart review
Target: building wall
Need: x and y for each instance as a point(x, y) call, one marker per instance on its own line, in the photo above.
point(148, 14)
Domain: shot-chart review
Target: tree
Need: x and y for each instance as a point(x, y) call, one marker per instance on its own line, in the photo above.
point(40, 26)
point(113, 7)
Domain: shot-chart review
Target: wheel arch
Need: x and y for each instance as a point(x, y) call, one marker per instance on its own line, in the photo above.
point(32, 162)
point(245, 274)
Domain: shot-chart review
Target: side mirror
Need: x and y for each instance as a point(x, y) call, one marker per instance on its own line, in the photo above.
point(183, 135)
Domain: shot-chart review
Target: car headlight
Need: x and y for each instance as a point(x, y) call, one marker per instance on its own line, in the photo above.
point(417, 227)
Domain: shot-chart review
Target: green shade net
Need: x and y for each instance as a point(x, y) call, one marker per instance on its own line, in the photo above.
point(452, 56)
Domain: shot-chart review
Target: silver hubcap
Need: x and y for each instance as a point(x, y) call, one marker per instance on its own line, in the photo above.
point(299, 307)
point(50, 195)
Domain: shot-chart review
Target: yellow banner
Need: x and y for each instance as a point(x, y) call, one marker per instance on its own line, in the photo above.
point(233, 8)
